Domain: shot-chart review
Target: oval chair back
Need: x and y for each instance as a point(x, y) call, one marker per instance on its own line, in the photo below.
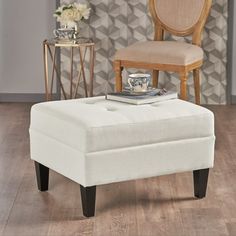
point(180, 17)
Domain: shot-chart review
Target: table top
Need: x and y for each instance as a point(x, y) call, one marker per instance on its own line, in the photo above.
point(69, 43)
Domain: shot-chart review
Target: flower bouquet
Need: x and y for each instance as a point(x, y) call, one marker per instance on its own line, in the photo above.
point(69, 15)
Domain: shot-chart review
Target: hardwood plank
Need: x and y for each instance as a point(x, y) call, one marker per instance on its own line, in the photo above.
point(116, 207)
point(14, 154)
point(231, 226)
point(203, 222)
point(156, 214)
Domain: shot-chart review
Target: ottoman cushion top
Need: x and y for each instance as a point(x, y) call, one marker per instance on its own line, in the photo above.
point(96, 124)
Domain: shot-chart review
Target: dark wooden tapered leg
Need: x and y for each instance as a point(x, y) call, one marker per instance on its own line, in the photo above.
point(200, 178)
point(88, 197)
point(42, 174)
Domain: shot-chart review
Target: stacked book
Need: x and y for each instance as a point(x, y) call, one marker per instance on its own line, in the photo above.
point(139, 98)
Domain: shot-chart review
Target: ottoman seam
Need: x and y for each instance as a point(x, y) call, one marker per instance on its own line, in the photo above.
point(118, 147)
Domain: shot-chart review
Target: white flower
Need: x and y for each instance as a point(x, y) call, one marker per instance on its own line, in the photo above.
point(83, 9)
point(60, 8)
point(71, 24)
point(77, 15)
point(67, 15)
point(71, 13)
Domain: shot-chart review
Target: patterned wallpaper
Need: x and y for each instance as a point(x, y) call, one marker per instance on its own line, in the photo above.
point(116, 24)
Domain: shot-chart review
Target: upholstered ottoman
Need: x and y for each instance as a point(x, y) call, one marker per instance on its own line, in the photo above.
point(94, 141)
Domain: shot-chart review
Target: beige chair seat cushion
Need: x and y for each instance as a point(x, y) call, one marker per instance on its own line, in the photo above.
point(161, 52)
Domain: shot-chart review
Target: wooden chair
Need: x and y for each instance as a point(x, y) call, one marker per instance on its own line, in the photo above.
point(178, 17)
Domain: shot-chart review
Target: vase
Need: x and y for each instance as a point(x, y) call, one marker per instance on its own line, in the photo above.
point(76, 31)
point(67, 33)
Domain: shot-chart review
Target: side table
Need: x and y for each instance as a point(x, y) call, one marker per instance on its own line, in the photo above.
point(52, 47)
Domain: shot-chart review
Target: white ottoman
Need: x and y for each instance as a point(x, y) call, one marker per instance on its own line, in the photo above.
point(94, 141)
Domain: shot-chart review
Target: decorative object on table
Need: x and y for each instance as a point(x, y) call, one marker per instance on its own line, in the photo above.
point(52, 47)
point(65, 33)
point(187, 18)
point(147, 97)
point(139, 82)
point(69, 16)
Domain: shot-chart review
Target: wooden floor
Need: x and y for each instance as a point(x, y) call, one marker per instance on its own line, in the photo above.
point(162, 206)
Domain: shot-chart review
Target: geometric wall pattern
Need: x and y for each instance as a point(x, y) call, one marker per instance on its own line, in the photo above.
point(115, 24)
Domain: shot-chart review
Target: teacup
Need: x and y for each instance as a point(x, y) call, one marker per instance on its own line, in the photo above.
point(64, 33)
point(139, 82)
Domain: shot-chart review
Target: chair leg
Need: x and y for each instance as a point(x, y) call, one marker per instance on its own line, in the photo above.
point(42, 174)
point(183, 85)
point(118, 75)
point(155, 76)
point(196, 78)
point(200, 178)
point(88, 197)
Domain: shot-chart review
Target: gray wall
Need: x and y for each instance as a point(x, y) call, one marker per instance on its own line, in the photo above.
point(115, 24)
point(24, 25)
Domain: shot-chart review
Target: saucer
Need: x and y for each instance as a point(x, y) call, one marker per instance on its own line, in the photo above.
point(149, 91)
